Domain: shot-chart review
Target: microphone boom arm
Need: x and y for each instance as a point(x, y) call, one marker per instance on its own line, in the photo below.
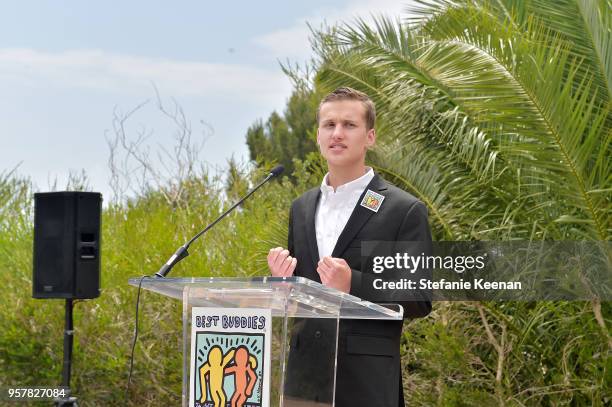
point(182, 251)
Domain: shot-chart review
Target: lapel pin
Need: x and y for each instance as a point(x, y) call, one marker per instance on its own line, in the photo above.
point(372, 200)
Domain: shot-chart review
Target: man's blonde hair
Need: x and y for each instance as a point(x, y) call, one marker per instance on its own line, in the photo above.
point(346, 93)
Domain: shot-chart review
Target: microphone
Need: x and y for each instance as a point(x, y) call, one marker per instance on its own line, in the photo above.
point(276, 171)
point(182, 252)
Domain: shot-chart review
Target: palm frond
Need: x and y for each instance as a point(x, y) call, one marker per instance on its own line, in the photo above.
point(525, 92)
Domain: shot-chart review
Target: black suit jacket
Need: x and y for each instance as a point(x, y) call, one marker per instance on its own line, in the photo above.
point(368, 351)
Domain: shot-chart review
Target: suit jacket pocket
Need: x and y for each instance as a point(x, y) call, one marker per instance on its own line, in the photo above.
point(369, 371)
point(371, 345)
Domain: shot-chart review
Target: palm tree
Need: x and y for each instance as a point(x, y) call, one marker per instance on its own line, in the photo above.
point(497, 115)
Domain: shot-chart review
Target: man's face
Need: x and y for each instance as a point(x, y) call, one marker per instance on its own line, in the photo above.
point(343, 136)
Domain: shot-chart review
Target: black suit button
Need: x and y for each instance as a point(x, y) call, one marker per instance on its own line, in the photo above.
point(317, 334)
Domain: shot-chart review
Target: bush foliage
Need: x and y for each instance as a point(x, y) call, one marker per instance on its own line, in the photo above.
point(495, 114)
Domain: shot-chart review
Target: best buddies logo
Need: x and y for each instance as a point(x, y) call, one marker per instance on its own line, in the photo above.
point(230, 357)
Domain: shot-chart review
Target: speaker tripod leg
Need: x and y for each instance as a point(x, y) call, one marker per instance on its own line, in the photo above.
point(67, 401)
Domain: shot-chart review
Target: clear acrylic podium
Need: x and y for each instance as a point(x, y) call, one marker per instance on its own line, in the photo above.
point(302, 372)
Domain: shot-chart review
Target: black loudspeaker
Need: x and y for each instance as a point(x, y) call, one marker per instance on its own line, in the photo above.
point(67, 245)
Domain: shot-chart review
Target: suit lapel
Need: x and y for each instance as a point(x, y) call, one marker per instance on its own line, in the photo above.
point(358, 219)
point(311, 208)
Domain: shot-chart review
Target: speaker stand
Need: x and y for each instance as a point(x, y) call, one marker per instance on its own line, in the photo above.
point(68, 400)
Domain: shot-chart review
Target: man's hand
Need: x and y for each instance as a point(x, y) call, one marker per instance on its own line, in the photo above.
point(280, 263)
point(335, 272)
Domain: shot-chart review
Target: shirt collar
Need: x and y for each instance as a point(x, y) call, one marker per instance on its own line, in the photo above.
point(356, 185)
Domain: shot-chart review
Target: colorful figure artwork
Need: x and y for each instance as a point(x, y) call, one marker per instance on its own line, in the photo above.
point(229, 369)
point(372, 200)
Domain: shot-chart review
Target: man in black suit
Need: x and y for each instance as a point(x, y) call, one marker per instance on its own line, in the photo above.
point(326, 228)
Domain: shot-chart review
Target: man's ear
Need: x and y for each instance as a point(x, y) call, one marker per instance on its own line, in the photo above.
point(318, 141)
point(371, 138)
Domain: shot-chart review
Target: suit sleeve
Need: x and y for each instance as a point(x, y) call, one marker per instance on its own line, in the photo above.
point(290, 245)
point(414, 228)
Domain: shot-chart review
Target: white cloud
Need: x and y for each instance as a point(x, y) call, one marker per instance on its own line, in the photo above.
point(292, 42)
point(95, 69)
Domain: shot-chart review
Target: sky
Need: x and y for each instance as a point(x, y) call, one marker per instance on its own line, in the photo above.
point(67, 67)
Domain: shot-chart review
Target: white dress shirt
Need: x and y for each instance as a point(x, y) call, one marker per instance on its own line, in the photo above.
point(334, 210)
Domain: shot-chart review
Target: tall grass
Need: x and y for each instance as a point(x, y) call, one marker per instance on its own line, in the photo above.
point(462, 354)
point(137, 238)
